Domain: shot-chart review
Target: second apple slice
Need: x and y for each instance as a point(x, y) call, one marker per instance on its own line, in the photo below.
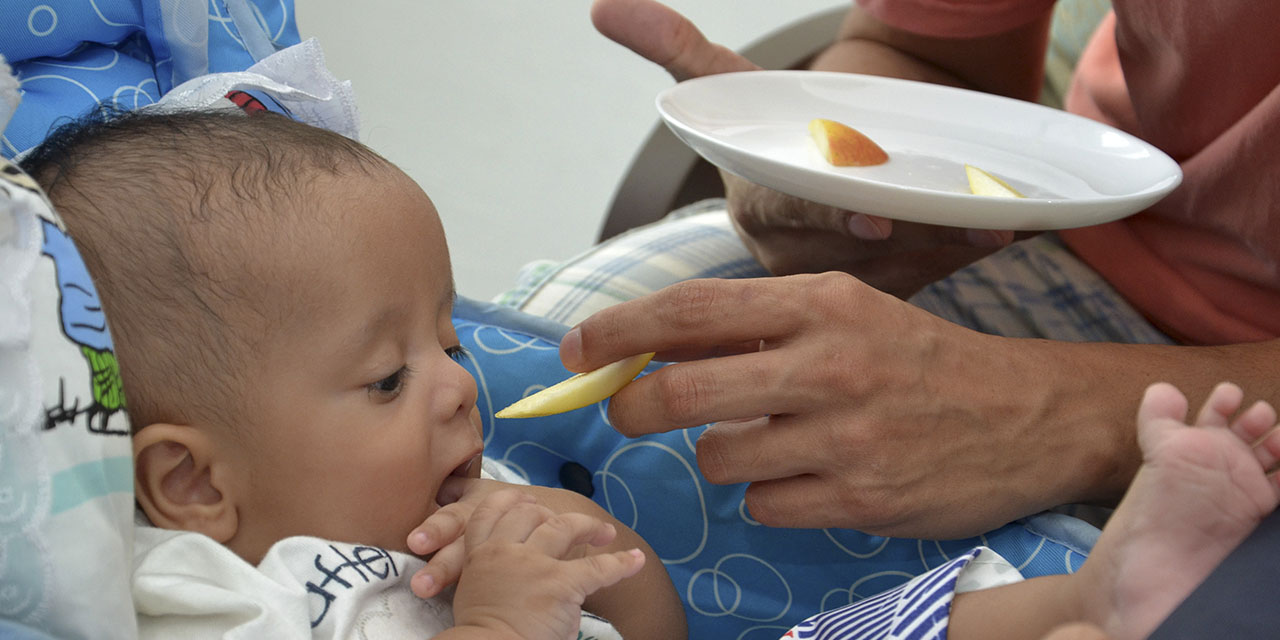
point(982, 183)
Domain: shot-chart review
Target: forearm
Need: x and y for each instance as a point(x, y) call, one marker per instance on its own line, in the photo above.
point(1080, 400)
point(1027, 609)
point(643, 606)
point(1008, 63)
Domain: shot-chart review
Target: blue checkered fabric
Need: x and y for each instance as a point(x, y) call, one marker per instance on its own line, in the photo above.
point(1035, 288)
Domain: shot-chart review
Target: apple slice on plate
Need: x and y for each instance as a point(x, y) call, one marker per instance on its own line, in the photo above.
point(984, 184)
point(579, 391)
point(844, 146)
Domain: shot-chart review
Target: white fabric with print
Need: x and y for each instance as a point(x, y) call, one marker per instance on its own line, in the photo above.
point(186, 585)
point(66, 475)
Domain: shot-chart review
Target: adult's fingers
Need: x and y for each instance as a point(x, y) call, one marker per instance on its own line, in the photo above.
point(796, 501)
point(690, 394)
point(695, 316)
point(663, 36)
point(764, 448)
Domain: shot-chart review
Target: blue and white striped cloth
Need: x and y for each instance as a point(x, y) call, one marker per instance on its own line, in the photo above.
point(916, 610)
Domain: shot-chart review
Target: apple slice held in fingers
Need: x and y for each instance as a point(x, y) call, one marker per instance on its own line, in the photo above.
point(984, 184)
point(580, 390)
point(844, 146)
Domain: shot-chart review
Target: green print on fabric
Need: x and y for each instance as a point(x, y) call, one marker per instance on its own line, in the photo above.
point(108, 392)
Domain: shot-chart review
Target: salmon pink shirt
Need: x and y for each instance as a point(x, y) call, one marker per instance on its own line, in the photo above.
point(1200, 79)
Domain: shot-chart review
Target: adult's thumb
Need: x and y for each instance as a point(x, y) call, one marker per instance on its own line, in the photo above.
point(661, 35)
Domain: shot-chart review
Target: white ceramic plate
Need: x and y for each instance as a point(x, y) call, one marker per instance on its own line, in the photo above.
point(1074, 171)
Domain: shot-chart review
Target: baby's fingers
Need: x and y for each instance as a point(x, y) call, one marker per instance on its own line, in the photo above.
point(440, 528)
point(442, 570)
point(596, 572)
point(561, 533)
point(496, 508)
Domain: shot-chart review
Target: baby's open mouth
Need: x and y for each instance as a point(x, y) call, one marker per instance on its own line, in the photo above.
point(462, 469)
point(445, 496)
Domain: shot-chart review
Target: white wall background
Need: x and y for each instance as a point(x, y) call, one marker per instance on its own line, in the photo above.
point(515, 116)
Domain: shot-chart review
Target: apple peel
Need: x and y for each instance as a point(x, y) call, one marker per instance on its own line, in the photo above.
point(580, 390)
point(844, 146)
point(982, 183)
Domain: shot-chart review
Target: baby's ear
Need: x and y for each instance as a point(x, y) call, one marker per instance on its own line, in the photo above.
point(178, 481)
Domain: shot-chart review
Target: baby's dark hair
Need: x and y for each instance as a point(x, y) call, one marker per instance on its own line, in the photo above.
point(170, 211)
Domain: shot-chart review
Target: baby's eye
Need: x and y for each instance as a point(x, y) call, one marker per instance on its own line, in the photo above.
point(390, 386)
point(457, 352)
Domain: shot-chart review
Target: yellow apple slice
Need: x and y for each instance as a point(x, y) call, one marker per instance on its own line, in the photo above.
point(844, 146)
point(580, 390)
point(984, 184)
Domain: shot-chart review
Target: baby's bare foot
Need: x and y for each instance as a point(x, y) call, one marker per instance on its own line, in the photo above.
point(1200, 491)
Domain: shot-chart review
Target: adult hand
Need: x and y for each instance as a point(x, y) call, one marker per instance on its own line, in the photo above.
point(787, 234)
point(846, 407)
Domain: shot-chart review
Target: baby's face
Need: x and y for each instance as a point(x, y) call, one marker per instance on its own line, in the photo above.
point(360, 409)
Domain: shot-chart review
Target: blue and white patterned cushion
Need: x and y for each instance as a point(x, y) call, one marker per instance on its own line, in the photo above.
point(71, 55)
point(737, 578)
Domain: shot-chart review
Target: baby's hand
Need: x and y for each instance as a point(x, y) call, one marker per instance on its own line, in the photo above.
point(516, 578)
point(441, 533)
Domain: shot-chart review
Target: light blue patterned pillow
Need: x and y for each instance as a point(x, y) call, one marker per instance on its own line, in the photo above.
point(737, 578)
point(71, 55)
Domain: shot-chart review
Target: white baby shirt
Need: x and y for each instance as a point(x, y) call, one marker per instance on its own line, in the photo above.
point(186, 585)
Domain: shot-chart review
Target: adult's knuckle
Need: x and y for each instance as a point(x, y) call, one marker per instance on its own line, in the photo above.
point(837, 285)
point(765, 508)
point(712, 457)
point(691, 304)
point(869, 511)
point(829, 373)
point(680, 394)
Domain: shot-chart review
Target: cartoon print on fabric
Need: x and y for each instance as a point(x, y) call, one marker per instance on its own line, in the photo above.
point(252, 102)
point(84, 323)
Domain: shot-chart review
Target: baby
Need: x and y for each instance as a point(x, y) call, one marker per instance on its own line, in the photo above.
point(280, 298)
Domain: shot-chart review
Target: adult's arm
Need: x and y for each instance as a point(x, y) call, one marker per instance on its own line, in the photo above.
point(847, 407)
